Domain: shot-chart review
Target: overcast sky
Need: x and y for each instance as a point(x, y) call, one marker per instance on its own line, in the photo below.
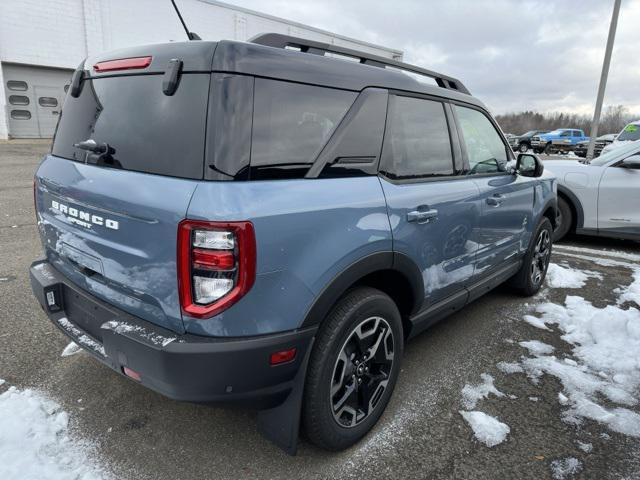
point(514, 55)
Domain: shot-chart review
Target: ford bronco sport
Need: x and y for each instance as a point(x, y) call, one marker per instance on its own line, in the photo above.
point(269, 222)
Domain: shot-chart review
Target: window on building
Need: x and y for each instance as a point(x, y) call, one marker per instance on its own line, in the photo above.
point(18, 100)
point(17, 85)
point(21, 114)
point(417, 142)
point(486, 151)
point(48, 102)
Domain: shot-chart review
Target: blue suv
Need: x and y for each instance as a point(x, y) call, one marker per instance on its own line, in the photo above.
point(268, 223)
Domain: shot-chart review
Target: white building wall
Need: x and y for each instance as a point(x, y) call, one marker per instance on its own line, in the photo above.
point(4, 113)
point(60, 33)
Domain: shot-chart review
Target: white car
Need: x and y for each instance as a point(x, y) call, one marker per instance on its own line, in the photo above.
point(630, 133)
point(602, 197)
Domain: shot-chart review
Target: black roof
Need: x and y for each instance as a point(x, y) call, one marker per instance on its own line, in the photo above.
point(286, 64)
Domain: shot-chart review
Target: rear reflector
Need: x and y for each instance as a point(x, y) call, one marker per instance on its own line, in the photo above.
point(284, 356)
point(131, 374)
point(122, 64)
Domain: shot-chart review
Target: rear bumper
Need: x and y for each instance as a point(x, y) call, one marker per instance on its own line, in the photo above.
point(182, 367)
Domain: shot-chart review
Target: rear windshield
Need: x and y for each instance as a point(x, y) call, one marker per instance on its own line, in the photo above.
point(148, 131)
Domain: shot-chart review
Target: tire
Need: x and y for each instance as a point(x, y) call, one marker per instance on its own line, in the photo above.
point(564, 220)
point(547, 149)
point(531, 275)
point(361, 315)
point(523, 147)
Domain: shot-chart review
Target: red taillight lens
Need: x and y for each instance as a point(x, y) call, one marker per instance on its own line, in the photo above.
point(217, 260)
point(122, 64)
point(216, 265)
point(285, 356)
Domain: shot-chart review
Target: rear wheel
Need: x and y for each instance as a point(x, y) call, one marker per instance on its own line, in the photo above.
point(564, 219)
point(353, 368)
point(531, 275)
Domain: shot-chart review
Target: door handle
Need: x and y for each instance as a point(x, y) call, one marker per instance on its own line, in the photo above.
point(422, 216)
point(495, 200)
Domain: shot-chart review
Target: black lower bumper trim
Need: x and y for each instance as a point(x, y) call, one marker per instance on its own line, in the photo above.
point(183, 367)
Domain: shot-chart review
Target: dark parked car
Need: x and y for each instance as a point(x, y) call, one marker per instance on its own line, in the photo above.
point(247, 222)
point(522, 143)
point(601, 142)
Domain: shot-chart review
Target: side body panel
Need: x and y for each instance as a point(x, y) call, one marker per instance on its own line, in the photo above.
point(507, 219)
point(444, 248)
point(307, 231)
point(619, 200)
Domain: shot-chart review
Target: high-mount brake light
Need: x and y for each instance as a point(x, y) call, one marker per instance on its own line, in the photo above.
point(123, 64)
point(216, 265)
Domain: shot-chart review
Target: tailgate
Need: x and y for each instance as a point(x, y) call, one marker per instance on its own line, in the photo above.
point(126, 158)
point(114, 234)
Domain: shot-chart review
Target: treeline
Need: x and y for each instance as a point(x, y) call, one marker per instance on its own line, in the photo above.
point(612, 120)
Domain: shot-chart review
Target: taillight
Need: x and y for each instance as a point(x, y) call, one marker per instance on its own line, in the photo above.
point(123, 64)
point(216, 265)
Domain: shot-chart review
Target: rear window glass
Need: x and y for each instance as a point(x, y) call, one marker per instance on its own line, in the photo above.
point(292, 122)
point(148, 130)
point(417, 142)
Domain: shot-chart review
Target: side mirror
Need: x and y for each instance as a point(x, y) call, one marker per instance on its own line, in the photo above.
point(529, 165)
point(632, 162)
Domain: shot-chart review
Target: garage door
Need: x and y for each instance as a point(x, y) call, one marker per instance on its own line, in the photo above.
point(34, 97)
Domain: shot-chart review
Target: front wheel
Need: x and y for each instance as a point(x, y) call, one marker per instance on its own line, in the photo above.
point(531, 275)
point(548, 149)
point(523, 148)
point(353, 368)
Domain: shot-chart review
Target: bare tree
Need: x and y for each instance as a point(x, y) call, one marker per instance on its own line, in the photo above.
point(613, 120)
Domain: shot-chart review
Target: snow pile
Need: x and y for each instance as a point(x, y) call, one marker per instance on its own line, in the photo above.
point(486, 428)
point(567, 277)
point(561, 469)
point(34, 440)
point(471, 394)
point(607, 346)
point(632, 292)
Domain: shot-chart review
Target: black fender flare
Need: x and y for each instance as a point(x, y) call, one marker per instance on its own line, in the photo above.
point(575, 203)
point(369, 264)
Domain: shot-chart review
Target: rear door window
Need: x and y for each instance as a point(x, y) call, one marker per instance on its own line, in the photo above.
point(291, 124)
point(417, 142)
point(149, 131)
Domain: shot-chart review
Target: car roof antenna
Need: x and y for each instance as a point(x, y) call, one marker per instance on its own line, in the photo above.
point(191, 35)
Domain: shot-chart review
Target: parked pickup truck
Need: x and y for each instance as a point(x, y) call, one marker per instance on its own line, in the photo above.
point(560, 140)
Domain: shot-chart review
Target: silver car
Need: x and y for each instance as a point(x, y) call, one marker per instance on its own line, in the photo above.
point(602, 197)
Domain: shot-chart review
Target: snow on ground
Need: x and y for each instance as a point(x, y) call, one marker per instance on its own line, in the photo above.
point(562, 469)
point(35, 442)
point(486, 429)
point(536, 347)
point(567, 277)
point(631, 293)
point(472, 393)
point(606, 347)
point(71, 349)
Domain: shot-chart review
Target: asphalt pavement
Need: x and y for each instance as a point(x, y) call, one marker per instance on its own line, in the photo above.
point(138, 434)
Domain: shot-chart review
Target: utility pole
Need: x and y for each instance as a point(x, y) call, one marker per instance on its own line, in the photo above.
point(603, 79)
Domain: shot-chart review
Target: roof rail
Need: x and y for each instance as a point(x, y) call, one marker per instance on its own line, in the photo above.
point(278, 40)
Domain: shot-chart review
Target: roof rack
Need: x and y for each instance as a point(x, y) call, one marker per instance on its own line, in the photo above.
point(278, 40)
